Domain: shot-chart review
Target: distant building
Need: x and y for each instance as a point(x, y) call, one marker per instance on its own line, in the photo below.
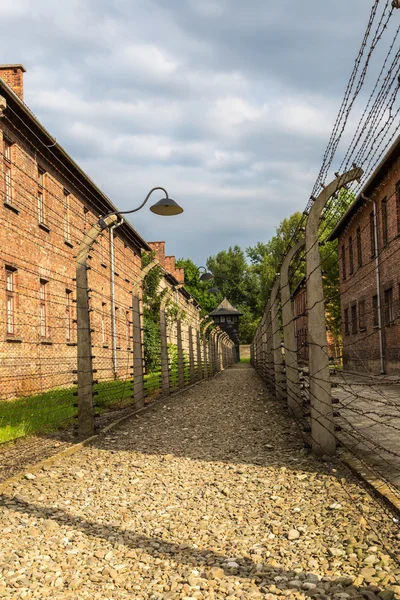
point(227, 318)
point(369, 264)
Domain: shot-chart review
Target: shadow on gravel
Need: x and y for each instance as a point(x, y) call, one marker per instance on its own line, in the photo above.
point(204, 559)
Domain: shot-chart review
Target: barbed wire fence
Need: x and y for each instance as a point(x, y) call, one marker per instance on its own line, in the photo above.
point(335, 389)
point(71, 312)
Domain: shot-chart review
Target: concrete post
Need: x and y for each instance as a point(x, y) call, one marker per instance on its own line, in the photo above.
point(206, 351)
point(322, 426)
point(293, 391)
point(84, 339)
point(138, 348)
point(270, 372)
point(199, 361)
point(164, 352)
point(276, 342)
point(191, 355)
point(181, 364)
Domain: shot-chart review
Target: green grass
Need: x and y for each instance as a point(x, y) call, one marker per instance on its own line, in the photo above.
point(245, 360)
point(55, 409)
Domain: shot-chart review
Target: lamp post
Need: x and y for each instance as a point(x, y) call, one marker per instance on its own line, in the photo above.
point(164, 207)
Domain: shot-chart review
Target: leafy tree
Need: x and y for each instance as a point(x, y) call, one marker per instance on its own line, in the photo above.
point(198, 289)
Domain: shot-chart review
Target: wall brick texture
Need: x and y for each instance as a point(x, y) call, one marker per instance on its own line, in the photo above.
point(358, 284)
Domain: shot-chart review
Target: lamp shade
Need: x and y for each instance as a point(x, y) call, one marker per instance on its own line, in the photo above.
point(206, 276)
point(166, 208)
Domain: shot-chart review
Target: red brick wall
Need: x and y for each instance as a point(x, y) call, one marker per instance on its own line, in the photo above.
point(361, 349)
point(30, 362)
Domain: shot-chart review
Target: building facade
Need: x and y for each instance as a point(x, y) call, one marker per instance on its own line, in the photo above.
point(47, 203)
point(369, 262)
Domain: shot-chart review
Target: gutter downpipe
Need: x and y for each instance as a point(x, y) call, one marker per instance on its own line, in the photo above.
point(378, 285)
point(113, 315)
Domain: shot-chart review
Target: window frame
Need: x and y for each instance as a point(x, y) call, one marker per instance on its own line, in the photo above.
point(354, 320)
point(346, 322)
point(66, 212)
point(351, 257)
point(375, 311)
point(10, 299)
point(372, 233)
point(8, 171)
point(43, 314)
point(41, 196)
point(68, 315)
point(103, 324)
point(388, 308)
point(362, 324)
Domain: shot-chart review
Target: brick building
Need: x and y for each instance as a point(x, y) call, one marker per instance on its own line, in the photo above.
point(46, 204)
point(300, 315)
point(369, 263)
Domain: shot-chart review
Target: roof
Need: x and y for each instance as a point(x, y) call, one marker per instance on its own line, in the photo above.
point(392, 154)
point(225, 308)
point(52, 149)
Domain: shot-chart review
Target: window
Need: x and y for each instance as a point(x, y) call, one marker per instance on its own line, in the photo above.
point(354, 318)
point(388, 306)
point(346, 321)
point(385, 225)
point(343, 262)
point(127, 329)
point(10, 300)
point(103, 324)
point(372, 233)
point(351, 270)
point(68, 319)
point(67, 231)
point(116, 331)
point(44, 330)
point(398, 205)
point(41, 215)
point(223, 319)
point(359, 247)
point(361, 315)
point(375, 311)
point(7, 171)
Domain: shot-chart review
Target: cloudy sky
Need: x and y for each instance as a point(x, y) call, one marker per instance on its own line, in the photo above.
point(228, 104)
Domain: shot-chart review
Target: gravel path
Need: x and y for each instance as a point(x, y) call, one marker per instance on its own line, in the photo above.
point(209, 495)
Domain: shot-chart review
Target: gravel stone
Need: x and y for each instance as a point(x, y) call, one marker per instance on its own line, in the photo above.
point(197, 498)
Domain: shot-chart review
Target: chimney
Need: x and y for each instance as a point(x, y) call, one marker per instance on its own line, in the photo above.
point(170, 264)
point(13, 76)
point(180, 274)
point(159, 250)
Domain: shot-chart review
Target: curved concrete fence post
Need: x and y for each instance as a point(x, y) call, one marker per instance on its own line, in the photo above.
point(277, 342)
point(138, 346)
point(293, 391)
point(84, 339)
point(270, 372)
point(322, 426)
point(206, 351)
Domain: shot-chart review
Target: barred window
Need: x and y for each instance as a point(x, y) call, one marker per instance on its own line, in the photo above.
point(10, 300)
point(41, 207)
point(44, 328)
point(385, 223)
point(7, 167)
point(359, 247)
point(361, 315)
